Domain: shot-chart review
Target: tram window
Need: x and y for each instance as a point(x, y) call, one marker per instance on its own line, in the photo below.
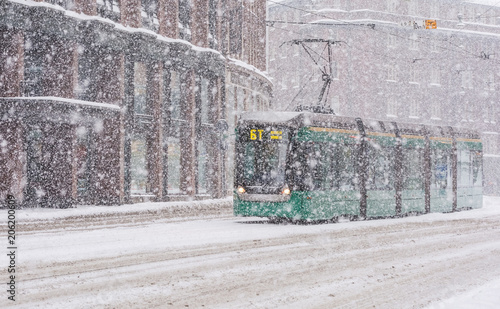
point(249, 167)
point(264, 164)
point(380, 171)
point(324, 166)
point(323, 171)
point(317, 166)
point(441, 169)
point(332, 176)
point(412, 169)
point(311, 166)
point(301, 174)
point(345, 168)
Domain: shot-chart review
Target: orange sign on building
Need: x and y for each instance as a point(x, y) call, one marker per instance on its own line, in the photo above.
point(430, 24)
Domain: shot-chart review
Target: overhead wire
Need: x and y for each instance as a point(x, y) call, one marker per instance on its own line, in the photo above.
point(323, 24)
point(344, 22)
point(372, 26)
point(420, 38)
point(388, 33)
point(488, 9)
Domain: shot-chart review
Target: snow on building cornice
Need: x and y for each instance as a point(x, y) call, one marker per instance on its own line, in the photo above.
point(63, 100)
point(118, 26)
point(248, 67)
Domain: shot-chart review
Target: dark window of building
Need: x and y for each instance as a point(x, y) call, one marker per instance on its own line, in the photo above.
point(82, 157)
point(213, 20)
point(202, 174)
point(67, 4)
point(235, 17)
point(140, 85)
point(109, 9)
point(34, 190)
point(149, 14)
point(173, 165)
point(85, 75)
point(34, 55)
point(185, 19)
point(205, 106)
point(175, 98)
point(138, 166)
point(175, 122)
point(204, 127)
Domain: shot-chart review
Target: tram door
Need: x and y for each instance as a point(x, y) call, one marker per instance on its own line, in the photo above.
point(441, 180)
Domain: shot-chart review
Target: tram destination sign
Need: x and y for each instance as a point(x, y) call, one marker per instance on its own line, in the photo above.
point(264, 134)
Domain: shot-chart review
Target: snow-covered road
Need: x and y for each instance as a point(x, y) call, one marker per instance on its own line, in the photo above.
point(224, 262)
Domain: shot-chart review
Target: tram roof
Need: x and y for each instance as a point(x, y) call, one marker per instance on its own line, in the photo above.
point(300, 119)
point(294, 119)
point(270, 117)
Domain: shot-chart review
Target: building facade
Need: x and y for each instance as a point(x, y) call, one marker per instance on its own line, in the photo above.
point(109, 102)
point(417, 61)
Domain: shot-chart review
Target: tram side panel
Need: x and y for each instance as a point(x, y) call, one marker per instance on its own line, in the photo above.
point(253, 208)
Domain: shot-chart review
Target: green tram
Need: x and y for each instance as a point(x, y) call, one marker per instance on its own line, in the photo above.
point(304, 166)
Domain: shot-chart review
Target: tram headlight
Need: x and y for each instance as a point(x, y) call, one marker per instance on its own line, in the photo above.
point(286, 191)
point(241, 190)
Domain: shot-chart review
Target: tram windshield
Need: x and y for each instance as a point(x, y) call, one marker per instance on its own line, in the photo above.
point(261, 158)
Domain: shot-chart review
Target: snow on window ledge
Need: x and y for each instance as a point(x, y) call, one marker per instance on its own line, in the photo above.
point(63, 100)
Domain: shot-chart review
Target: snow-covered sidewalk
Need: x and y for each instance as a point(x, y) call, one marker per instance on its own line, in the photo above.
point(188, 209)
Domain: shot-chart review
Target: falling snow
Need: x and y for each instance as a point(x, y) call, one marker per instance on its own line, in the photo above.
point(118, 142)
